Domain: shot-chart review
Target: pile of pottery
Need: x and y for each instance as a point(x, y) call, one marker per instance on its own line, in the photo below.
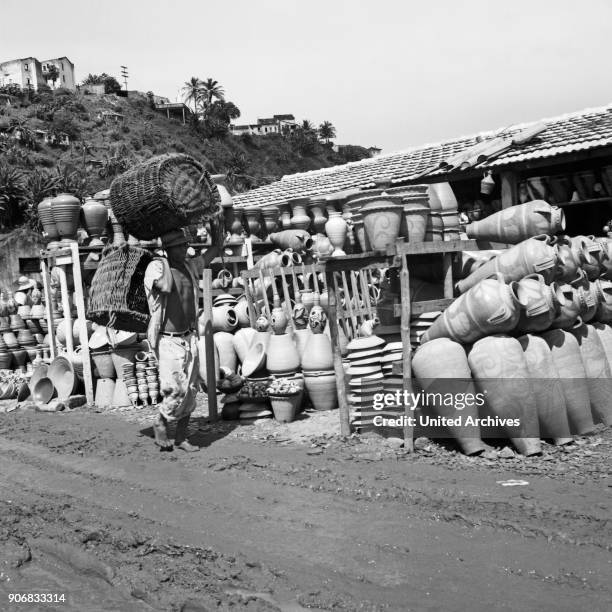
point(23, 328)
point(58, 379)
point(541, 310)
point(141, 379)
point(364, 376)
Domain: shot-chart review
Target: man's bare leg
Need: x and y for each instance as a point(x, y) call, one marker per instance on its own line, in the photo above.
point(180, 439)
point(160, 429)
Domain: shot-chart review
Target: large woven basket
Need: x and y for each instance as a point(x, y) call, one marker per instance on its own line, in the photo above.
point(117, 298)
point(162, 194)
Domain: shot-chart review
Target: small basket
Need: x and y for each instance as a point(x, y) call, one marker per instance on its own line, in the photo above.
point(162, 194)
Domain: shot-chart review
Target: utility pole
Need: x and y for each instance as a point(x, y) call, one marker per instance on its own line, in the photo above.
point(124, 74)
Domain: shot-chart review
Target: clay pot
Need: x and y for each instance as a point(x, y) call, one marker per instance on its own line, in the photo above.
point(6, 359)
point(517, 223)
point(441, 366)
point(317, 206)
point(95, 217)
point(301, 337)
point(10, 339)
point(321, 387)
point(490, 307)
point(566, 356)
point(336, 229)
point(243, 340)
point(278, 317)
point(285, 407)
point(539, 304)
point(65, 209)
point(103, 363)
point(270, 260)
point(253, 214)
point(569, 259)
point(548, 390)
point(415, 222)
point(282, 356)
point(534, 255)
point(599, 375)
point(241, 309)
point(26, 338)
point(317, 353)
point(224, 342)
point(270, 216)
point(573, 302)
point(595, 254)
point(16, 322)
point(298, 240)
point(46, 220)
point(382, 224)
point(121, 399)
point(300, 219)
point(224, 318)
point(500, 370)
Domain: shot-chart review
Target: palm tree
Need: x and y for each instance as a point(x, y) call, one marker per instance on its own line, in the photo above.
point(307, 126)
point(327, 131)
point(210, 89)
point(192, 90)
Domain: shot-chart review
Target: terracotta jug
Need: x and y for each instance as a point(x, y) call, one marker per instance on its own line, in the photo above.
point(46, 220)
point(95, 217)
point(336, 229)
point(490, 307)
point(566, 356)
point(224, 341)
point(517, 223)
point(441, 367)
point(599, 375)
point(548, 390)
point(535, 255)
point(540, 304)
point(298, 240)
point(500, 371)
point(66, 209)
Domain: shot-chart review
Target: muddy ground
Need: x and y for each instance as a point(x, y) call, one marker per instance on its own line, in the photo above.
point(291, 517)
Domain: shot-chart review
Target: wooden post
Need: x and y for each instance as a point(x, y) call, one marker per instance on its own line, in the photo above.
point(209, 344)
point(79, 298)
point(406, 350)
point(343, 408)
point(44, 268)
point(509, 189)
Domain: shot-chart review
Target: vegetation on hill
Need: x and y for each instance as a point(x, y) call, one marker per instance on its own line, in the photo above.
point(108, 133)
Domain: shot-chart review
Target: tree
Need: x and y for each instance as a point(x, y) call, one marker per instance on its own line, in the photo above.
point(111, 85)
point(327, 131)
point(210, 89)
point(192, 91)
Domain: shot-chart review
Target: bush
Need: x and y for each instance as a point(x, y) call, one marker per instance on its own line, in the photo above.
point(114, 135)
point(125, 129)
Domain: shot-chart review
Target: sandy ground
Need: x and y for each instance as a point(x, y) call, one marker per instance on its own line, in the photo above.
point(291, 517)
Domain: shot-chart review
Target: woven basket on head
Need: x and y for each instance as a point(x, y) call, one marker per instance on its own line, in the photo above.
point(162, 194)
point(117, 297)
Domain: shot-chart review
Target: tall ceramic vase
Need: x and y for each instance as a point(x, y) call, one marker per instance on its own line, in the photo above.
point(597, 369)
point(548, 389)
point(95, 217)
point(46, 220)
point(565, 351)
point(441, 367)
point(517, 223)
point(336, 229)
point(500, 371)
point(66, 209)
point(300, 219)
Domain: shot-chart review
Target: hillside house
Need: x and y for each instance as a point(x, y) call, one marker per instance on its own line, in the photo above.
point(30, 73)
point(278, 124)
point(174, 110)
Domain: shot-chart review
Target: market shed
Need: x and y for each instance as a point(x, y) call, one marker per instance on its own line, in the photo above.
point(566, 160)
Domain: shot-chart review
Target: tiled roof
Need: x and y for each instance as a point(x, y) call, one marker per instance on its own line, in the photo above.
point(586, 129)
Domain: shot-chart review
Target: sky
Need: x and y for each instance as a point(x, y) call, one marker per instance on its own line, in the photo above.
point(386, 73)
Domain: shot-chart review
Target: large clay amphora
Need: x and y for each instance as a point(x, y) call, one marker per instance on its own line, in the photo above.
point(46, 219)
point(599, 376)
point(490, 307)
point(468, 261)
point(574, 301)
point(569, 259)
point(595, 255)
point(499, 368)
point(548, 390)
point(441, 367)
point(95, 217)
point(517, 223)
point(535, 255)
point(539, 304)
point(66, 209)
point(566, 355)
point(298, 240)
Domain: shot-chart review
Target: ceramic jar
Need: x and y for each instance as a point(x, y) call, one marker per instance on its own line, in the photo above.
point(441, 366)
point(594, 254)
point(539, 304)
point(597, 369)
point(534, 255)
point(317, 206)
point(382, 222)
point(253, 214)
point(566, 356)
point(278, 317)
point(490, 307)
point(500, 371)
point(548, 390)
point(321, 387)
point(95, 217)
point(285, 215)
point(300, 219)
point(66, 209)
point(224, 318)
point(46, 219)
point(569, 259)
point(517, 223)
point(270, 217)
point(336, 229)
point(282, 356)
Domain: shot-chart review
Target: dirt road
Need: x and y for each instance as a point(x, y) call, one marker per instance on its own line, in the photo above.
point(89, 508)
